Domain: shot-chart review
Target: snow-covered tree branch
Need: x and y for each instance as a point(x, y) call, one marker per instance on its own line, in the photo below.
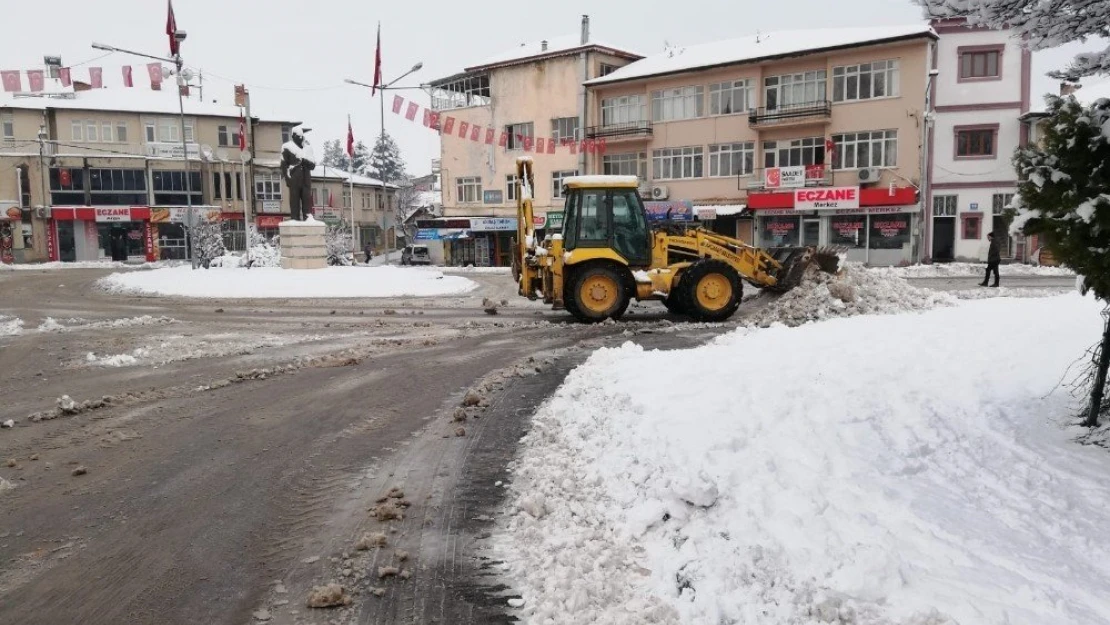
point(1043, 23)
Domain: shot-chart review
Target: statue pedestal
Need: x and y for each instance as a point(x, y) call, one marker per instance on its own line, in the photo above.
point(302, 244)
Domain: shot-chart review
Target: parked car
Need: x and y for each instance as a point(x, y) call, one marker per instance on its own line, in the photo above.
point(416, 255)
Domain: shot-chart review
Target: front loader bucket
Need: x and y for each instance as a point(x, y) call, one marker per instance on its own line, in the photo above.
point(796, 260)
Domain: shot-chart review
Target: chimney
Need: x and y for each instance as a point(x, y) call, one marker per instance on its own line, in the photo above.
point(543, 46)
point(585, 29)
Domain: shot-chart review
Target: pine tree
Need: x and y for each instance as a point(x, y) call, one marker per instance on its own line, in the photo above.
point(208, 241)
point(361, 163)
point(386, 163)
point(338, 239)
point(1043, 23)
point(335, 155)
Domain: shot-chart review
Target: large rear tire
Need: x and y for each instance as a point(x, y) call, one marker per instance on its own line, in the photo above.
point(710, 291)
point(597, 292)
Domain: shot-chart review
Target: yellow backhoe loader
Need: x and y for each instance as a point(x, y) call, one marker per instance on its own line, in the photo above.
point(609, 253)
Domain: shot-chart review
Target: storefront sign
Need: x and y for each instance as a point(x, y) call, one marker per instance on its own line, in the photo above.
point(271, 206)
point(539, 221)
point(890, 227)
point(329, 213)
point(268, 221)
point(52, 240)
point(826, 198)
point(495, 196)
point(493, 224)
point(113, 215)
point(170, 150)
point(705, 214)
point(177, 215)
point(784, 177)
point(680, 210)
point(151, 251)
point(427, 234)
point(555, 220)
point(781, 226)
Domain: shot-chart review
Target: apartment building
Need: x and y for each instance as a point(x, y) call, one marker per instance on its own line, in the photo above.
point(530, 92)
point(82, 164)
point(803, 137)
point(981, 93)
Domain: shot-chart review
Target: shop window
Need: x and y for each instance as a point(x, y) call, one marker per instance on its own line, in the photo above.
point(848, 230)
point(169, 188)
point(235, 234)
point(972, 227)
point(889, 231)
point(779, 231)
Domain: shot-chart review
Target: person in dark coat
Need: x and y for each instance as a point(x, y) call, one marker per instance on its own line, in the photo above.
point(994, 257)
point(369, 251)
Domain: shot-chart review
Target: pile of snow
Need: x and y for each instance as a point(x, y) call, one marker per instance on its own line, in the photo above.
point(908, 471)
point(473, 269)
point(10, 326)
point(963, 270)
point(50, 324)
point(5, 485)
point(118, 360)
point(94, 264)
point(988, 293)
point(854, 291)
point(287, 283)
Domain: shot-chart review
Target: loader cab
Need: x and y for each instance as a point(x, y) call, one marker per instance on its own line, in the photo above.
point(607, 215)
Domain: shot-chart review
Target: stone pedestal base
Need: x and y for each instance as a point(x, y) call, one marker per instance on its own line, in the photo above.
point(302, 244)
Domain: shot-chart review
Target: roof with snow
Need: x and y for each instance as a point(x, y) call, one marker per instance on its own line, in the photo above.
point(332, 173)
point(555, 47)
point(126, 99)
point(765, 46)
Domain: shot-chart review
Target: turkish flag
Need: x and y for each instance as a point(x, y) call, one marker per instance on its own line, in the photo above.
point(397, 102)
point(503, 142)
point(830, 150)
point(12, 81)
point(448, 125)
point(427, 118)
point(433, 120)
point(64, 177)
point(350, 139)
point(35, 77)
point(127, 77)
point(410, 113)
point(551, 145)
point(540, 146)
point(475, 133)
point(527, 144)
point(464, 129)
point(171, 29)
point(96, 77)
point(600, 145)
point(377, 63)
point(155, 72)
point(243, 132)
point(490, 133)
point(573, 147)
point(65, 76)
point(331, 199)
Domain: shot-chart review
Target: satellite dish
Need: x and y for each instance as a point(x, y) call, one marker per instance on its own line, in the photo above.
point(222, 154)
point(206, 151)
point(245, 156)
point(187, 74)
point(166, 72)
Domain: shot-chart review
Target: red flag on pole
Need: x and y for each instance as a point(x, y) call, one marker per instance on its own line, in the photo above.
point(36, 78)
point(96, 77)
point(830, 150)
point(350, 139)
point(397, 102)
point(171, 29)
point(155, 71)
point(410, 112)
point(242, 132)
point(12, 81)
point(127, 77)
point(377, 63)
point(65, 76)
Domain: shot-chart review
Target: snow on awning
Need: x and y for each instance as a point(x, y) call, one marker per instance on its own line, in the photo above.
point(705, 212)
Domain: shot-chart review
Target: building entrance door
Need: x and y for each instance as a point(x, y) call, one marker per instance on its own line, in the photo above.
point(944, 239)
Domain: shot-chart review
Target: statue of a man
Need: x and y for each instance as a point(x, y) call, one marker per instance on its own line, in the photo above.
point(297, 163)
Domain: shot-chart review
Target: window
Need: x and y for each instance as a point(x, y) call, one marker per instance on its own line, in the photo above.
point(865, 81)
point(972, 227)
point(510, 187)
point(170, 188)
point(999, 202)
point(217, 186)
point(980, 64)
point(106, 132)
point(856, 150)
point(7, 126)
point(348, 200)
point(791, 153)
point(92, 132)
point(67, 186)
point(735, 96)
point(944, 205)
point(731, 159)
point(235, 234)
point(223, 137)
point(121, 132)
point(675, 163)
point(976, 142)
point(848, 230)
point(151, 133)
point(889, 231)
point(517, 133)
point(267, 187)
point(632, 164)
point(169, 130)
point(564, 129)
point(794, 89)
point(468, 189)
point(77, 130)
point(607, 69)
point(675, 104)
point(623, 110)
point(115, 187)
point(557, 182)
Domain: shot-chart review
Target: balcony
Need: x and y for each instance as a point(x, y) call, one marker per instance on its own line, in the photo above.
point(626, 130)
point(819, 112)
point(787, 178)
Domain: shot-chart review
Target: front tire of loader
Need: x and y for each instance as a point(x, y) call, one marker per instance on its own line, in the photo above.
point(711, 291)
point(597, 292)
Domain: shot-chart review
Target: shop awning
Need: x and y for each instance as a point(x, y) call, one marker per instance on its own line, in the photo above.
point(710, 211)
point(464, 234)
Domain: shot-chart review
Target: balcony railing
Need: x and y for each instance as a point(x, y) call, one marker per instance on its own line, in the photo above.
point(803, 112)
point(787, 178)
point(625, 129)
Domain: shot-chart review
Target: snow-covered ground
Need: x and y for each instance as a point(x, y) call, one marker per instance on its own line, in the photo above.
point(912, 468)
point(175, 348)
point(961, 270)
point(93, 264)
point(10, 326)
point(286, 283)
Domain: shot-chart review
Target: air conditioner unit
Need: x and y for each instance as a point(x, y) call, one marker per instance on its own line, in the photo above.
point(42, 212)
point(870, 175)
point(659, 193)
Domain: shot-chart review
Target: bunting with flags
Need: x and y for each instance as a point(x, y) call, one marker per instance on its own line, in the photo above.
point(128, 80)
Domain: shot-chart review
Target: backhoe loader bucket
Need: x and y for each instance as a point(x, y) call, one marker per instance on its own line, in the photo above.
point(795, 261)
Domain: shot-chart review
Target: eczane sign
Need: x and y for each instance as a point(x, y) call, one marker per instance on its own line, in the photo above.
point(826, 198)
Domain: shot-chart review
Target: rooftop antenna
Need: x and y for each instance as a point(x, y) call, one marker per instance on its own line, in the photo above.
point(758, 36)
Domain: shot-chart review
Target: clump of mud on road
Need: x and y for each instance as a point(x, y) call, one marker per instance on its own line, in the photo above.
point(328, 596)
point(854, 290)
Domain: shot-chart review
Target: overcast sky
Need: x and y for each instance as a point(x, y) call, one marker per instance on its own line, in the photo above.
point(294, 54)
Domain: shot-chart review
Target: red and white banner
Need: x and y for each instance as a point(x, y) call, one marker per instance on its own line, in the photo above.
point(128, 78)
point(113, 214)
point(398, 101)
point(65, 76)
point(826, 198)
point(96, 77)
point(448, 124)
point(12, 81)
point(155, 72)
point(410, 114)
point(37, 79)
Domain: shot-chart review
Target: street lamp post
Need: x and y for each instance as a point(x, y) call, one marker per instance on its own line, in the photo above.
point(179, 63)
point(381, 139)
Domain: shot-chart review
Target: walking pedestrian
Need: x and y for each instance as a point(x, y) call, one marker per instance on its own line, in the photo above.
point(994, 257)
point(369, 251)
